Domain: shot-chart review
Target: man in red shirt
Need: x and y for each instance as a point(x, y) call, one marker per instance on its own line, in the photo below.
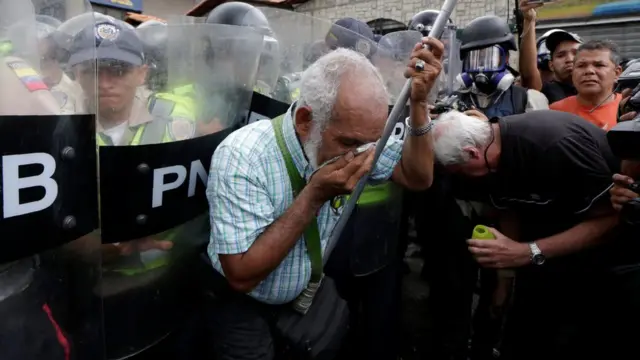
point(595, 73)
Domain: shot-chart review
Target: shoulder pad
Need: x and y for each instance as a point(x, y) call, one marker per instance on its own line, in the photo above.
point(60, 96)
point(160, 107)
point(29, 77)
point(181, 129)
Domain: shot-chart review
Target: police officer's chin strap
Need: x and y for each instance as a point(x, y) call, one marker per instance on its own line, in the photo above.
point(487, 86)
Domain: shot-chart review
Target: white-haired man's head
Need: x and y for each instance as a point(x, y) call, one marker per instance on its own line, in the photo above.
point(343, 104)
point(461, 142)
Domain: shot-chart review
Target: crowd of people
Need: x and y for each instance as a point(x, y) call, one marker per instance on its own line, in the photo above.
point(530, 159)
point(525, 153)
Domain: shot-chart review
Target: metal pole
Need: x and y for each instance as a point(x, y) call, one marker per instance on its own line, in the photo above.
point(398, 107)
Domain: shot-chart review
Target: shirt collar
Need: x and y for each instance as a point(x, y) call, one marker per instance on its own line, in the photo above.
point(293, 144)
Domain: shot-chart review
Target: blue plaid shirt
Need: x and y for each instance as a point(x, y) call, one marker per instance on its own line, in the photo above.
point(249, 189)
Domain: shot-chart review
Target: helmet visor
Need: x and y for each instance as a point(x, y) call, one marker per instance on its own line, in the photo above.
point(489, 59)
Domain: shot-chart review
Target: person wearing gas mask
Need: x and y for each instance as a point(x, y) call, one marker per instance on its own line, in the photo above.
point(487, 82)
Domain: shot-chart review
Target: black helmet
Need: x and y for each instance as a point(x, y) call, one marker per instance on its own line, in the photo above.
point(239, 14)
point(424, 20)
point(486, 31)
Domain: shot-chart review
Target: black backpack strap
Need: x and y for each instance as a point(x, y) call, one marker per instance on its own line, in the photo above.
point(520, 98)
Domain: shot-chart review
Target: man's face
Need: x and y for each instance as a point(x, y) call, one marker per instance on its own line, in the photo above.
point(117, 83)
point(354, 123)
point(562, 60)
point(594, 72)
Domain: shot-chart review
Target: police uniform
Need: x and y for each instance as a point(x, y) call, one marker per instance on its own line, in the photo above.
point(137, 289)
point(178, 103)
point(144, 128)
point(27, 327)
point(23, 90)
point(69, 95)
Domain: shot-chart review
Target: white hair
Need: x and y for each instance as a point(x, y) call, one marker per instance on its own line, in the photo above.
point(319, 90)
point(453, 131)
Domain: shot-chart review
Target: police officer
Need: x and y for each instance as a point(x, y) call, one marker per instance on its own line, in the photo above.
point(38, 308)
point(242, 14)
point(23, 90)
point(163, 101)
point(423, 22)
point(134, 278)
point(487, 82)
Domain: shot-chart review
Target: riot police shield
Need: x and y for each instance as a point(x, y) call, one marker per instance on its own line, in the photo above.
point(395, 50)
point(154, 36)
point(154, 166)
point(49, 212)
point(301, 40)
point(452, 64)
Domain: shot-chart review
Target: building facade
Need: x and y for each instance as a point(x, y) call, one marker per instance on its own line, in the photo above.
point(400, 11)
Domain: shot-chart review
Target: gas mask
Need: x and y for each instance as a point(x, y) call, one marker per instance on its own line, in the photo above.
point(485, 70)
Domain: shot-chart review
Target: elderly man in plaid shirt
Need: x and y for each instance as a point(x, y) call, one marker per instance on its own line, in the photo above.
point(257, 224)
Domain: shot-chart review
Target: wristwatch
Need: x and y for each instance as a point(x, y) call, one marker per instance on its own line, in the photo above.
point(537, 258)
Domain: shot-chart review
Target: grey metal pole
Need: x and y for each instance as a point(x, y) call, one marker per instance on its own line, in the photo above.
point(398, 107)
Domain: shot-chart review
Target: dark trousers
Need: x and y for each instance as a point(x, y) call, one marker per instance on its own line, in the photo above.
point(240, 329)
point(374, 305)
point(624, 326)
point(449, 270)
point(559, 316)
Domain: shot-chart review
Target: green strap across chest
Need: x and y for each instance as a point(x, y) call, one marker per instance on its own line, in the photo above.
point(311, 233)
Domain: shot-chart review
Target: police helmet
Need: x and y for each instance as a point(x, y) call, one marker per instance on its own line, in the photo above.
point(314, 51)
point(239, 14)
point(58, 42)
point(154, 34)
point(544, 55)
point(424, 21)
point(151, 23)
point(484, 32)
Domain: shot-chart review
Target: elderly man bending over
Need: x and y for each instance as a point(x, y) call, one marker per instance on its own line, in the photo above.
point(257, 224)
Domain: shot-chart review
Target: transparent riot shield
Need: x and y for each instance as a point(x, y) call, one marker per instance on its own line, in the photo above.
point(301, 39)
point(393, 56)
point(395, 51)
point(51, 257)
point(154, 167)
point(452, 64)
point(154, 36)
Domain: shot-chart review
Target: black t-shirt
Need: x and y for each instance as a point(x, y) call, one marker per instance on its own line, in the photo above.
point(554, 169)
point(556, 91)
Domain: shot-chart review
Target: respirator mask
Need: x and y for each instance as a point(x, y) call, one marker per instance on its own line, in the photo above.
point(486, 70)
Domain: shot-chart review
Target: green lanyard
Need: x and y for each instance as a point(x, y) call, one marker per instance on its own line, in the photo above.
point(311, 233)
